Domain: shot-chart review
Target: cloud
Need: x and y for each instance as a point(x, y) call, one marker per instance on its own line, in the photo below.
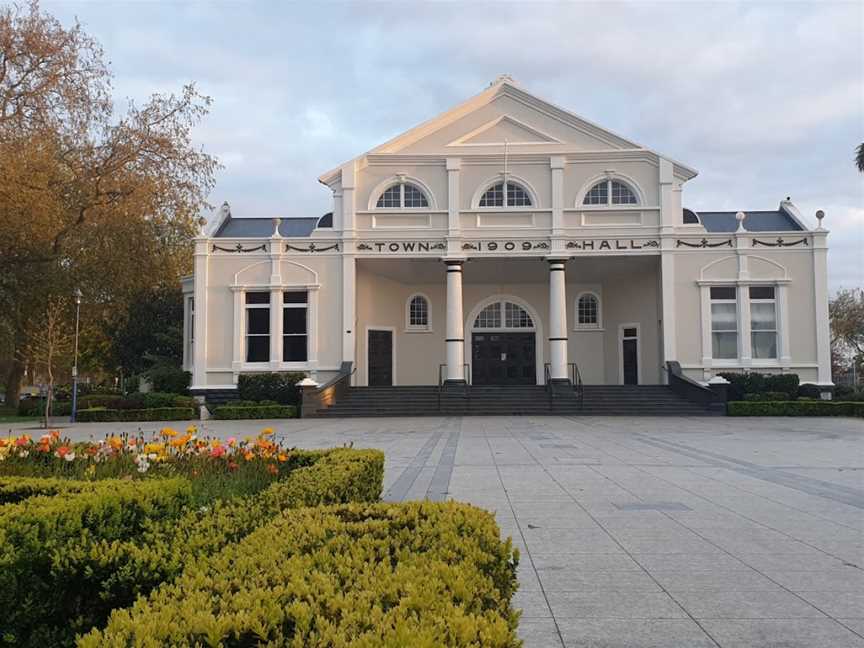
point(765, 99)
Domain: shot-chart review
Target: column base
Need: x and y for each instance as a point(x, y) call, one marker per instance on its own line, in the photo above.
point(455, 382)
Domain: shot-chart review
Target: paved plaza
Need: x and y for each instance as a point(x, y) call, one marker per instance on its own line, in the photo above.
point(644, 532)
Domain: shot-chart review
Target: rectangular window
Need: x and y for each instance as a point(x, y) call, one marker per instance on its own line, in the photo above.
point(295, 332)
point(724, 323)
point(257, 327)
point(763, 322)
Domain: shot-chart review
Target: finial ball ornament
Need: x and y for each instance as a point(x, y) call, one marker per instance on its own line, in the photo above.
point(740, 216)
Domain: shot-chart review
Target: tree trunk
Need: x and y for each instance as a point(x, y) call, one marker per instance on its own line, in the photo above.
point(13, 382)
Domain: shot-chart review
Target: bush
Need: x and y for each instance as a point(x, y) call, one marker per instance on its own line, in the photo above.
point(795, 408)
point(767, 396)
point(154, 414)
point(36, 407)
point(809, 390)
point(152, 400)
point(92, 576)
point(279, 387)
point(420, 574)
point(108, 401)
point(848, 393)
point(228, 412)
point(245, 403)
point(753, 382)
point(34, 532)
point(169, 378)
point(17, 489)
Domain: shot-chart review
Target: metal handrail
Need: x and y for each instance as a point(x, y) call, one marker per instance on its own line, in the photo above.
point(576, 379)
point(547, 378)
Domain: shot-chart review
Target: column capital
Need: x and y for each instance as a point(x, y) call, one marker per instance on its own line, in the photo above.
point(556, 260)
point(453, 163)
point(453, 263)
point(557, 162)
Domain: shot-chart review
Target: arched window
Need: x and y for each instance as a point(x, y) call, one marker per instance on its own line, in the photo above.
point(511, 315)
point(610, 192)
point(401, 195)
point(505, 194)
point(418, 313)
point(587, 311)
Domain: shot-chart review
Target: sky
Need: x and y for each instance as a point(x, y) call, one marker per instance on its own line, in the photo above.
point(765, 100)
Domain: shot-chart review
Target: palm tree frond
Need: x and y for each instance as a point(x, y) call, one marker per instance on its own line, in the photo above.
point(859, 158)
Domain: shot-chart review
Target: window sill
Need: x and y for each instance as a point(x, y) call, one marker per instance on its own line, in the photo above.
point(588, 329)
point(418, 330)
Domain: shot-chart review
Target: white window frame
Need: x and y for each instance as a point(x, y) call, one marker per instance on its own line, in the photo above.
point(418, 328)
point(776, 330)
point(737, 330)
point(503, 315)
point(246, 334)
point(744, 359)
point(608, 178)
point(508, 179)
point(401, 182)
point(598, 326)
point(304, 306)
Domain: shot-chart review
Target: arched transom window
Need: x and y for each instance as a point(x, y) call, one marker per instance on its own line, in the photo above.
point(610, 192)
point(418, 313)
point(402, 195)
point(503, 314)
point(587, 311)
point(505, 194)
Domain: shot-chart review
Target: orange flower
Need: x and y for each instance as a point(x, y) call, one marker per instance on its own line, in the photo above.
point(55, 434)
point(115, 442)
point(267, 431)
point(168, 432)
point(232, 466)
point(272, 469)
point(62, 451)
point(282, 457)
point(248, 456)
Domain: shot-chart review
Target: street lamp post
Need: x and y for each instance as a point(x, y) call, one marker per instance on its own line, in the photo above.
point(77, 294)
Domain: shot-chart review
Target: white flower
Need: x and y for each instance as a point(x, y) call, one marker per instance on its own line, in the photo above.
point(152, 456)
point(69, 456)
point(24, 453)
point(143, 466)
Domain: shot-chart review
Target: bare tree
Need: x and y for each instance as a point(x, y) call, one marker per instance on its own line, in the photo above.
point(49, 346)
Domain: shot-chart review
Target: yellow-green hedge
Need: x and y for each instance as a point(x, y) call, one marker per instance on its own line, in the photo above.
point(17, 489)
point(92, 576)
point(34, 531)
point(422, 575)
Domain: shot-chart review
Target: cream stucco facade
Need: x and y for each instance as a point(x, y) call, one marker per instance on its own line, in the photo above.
point(582, 257)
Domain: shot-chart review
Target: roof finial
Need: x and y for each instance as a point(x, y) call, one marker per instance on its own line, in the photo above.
point(740, 217)
point(819, 216)
point(502, 78)
point(276, 234)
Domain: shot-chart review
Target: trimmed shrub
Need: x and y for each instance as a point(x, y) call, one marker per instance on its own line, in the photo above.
point(809, 390)
point(108, 401)
point(752, 382)
point(422, 574)
point(169, 379)
point(36, 407)
point(34, 532)
point(17, 489)
point(153, 400)
point(229, 412)
point(155, 414)
point(93, 576)
point(767, 396)
point(795, 408)
point(279, 387)
point(848, 393)
point(245, 403)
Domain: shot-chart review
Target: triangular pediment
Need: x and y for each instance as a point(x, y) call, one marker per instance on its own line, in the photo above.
point(504, 129)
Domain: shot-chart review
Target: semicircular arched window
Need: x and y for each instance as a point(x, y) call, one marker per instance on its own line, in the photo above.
point(503, 314)
point(610, 192)
point(505, 194)
point(401, 195)
point(418, 313)
point(587, 311)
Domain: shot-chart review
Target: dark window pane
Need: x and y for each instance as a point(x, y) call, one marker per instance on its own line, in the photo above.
point(723, 292)
point(294, 297)
point(257, 297)
point(257, 320)
point(761, 292)
point(294, 348)
point(294, 320)
point(258, 348)
point(630, 332)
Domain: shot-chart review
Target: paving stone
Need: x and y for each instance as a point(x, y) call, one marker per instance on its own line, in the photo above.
point(539, 633)
point(781, 633)
point(629, 633)
point(737, 604)
point(835, 603)
point(614, 604)
point(568, 579)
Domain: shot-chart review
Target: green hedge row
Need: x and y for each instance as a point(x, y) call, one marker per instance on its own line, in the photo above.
point(136, 401)
point(36, 407)
point(231, 412)
point(91, 576)
point(421, 574)
point(17, 489)
point(35, 533)
point(154, 414)
point(795, 408)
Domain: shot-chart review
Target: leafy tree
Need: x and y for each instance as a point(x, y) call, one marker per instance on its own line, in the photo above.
point(846, 311)
point(150, 332)
point(88, 198)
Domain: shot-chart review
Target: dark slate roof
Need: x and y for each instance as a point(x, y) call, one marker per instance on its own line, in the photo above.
point(263, 227)
point(757, 221)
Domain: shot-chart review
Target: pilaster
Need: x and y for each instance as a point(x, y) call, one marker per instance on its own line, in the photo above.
point(199, 353)
point(556, 166)
point(349, 307)
point(820, 292)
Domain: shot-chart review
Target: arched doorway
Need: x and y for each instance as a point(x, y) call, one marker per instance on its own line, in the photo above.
point(503, 346)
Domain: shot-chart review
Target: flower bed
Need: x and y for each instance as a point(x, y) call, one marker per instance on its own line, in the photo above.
point(76, 580)
point(420, 575)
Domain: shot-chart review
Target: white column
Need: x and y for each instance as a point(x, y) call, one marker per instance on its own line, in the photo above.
point(557, 320)
point(782, 314)
point(455, 330)
point(820, 291)
point(667, 300)
point(275, 328)
point(239, 332)
point(199, 353)
point(349, 308)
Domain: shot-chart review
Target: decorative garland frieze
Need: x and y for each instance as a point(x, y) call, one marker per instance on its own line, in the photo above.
point(239, 248)
point(311, 248)
point(780, 243)
point(705, 243)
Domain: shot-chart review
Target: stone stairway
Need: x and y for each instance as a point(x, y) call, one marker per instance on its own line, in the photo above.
point(513, 400)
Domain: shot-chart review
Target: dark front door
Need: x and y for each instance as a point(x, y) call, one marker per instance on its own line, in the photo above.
point(380, 358)
point(503, 359)
point(630, 356)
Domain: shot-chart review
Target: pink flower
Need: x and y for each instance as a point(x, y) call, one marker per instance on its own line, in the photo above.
point(218, 451)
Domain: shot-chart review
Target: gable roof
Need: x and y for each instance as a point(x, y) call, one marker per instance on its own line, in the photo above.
point(502, 86)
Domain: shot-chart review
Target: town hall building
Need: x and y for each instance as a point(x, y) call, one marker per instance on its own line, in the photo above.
point(508, 242)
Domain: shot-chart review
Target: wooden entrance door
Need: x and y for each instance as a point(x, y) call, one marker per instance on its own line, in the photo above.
point(380, 358)
point(503, 359)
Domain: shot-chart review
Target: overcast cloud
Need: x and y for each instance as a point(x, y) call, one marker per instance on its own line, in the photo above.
point(766, 100)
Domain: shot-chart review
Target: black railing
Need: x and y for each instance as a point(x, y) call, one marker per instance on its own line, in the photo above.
point(572, 374)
